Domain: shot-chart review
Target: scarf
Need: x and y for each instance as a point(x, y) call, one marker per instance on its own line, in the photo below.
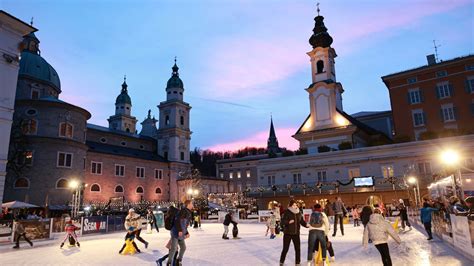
point(294, 210)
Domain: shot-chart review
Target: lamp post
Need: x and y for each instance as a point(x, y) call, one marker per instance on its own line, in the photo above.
point(74, 185)
point(413, 180)
point(451, 158)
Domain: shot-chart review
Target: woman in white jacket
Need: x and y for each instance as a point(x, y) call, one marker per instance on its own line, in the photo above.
point(378, 231)
point(318, 231)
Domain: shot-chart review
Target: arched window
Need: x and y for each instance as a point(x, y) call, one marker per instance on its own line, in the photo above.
point(158, 190)
point(139, 190)
point(65, 130)
point(22, 183)
point(29, 127)
point(95, 188)
point(62, 183)
point(320, 66)
point(118, 189)
point(182, 120)
point(167, 120)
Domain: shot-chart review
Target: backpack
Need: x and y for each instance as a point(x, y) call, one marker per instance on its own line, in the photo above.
point(316, 219)
point(170, 217)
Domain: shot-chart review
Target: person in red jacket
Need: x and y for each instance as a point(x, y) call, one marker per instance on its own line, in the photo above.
point(70, 232)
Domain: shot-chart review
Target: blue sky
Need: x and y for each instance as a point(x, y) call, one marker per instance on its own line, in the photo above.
point(239, 60)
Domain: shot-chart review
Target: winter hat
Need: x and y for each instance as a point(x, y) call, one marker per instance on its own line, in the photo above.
point(401, 201)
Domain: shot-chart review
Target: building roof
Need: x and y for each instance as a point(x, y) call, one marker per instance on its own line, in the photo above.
point(34, 66)
point(124, 151)
point(426, 66)
point(175, 81)
point(25, 27)
point(112, 131)
point(123, 96)
point(243, 159)
point(365, 114)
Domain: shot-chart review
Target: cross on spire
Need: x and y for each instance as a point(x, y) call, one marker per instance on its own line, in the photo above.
point(175, 59)
point(124, 78)
point(31, 22)
point(318, 8)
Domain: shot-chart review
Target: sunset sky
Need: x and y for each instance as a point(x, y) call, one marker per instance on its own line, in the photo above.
point(240, 61)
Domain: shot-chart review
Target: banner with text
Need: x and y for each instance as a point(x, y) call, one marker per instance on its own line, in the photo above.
point(94, 224)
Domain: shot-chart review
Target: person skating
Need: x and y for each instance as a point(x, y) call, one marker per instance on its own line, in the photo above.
point(355, 215)
point(228, 219)
point(291, 221)
point(151, 222)
point(378, 230)
point(179, 232)
point(159, 262)
point(133, 220)
point(129, 240)
point(425, 216)
point(403, 215)
point(20, 232)
point(339, 213)
point(70, 229)
point(271, 223)
point(318, 231)
point(329, 213)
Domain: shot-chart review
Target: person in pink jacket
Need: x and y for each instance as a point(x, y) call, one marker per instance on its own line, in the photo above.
point(355, 215)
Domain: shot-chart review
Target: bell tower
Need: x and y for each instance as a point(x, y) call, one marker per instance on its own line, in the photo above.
point(174, 132)
point(123, 119)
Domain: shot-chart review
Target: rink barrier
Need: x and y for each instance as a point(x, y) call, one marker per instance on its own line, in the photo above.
point(455, 230)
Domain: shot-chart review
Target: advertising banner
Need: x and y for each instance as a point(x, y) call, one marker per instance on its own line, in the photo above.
point(36, 229)
point(6, 229)
point(94, 224)
point(263, 215)
point(461, 233)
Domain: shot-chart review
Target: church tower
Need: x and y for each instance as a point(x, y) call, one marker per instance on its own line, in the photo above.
point(174, 133)
point(149, 126)
point(123, 120)
point(272, 143)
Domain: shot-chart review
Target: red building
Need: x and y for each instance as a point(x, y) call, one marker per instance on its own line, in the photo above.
point(434, 100)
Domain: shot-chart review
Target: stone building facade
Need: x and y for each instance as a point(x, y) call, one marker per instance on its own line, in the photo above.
point(52, 143)
point(12, 31)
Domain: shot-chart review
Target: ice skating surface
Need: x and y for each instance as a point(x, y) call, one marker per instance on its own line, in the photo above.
point(206, 247)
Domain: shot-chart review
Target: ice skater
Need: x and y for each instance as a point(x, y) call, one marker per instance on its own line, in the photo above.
point(228, 219)
point(425, 215)
point(70, 229)
point(378, 230)
point(133, 220)
point(318, 231)
point(20, 232)
point(159, 262)
point(271, 223)
point(291, 221)
point(151, 222)
point(340, 211)
point(403, 215)
point(355, 215)
point(129, 246)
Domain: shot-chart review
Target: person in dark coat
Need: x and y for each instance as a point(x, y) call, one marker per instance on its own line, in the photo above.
point(229, 218)
point(403, 215)
point(151, 219)
point(291, 220)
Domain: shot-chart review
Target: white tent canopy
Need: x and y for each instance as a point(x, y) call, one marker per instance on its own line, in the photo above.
point(18, 205)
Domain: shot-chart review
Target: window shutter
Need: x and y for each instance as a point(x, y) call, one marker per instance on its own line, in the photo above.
point(441, 114)
point(455, 112)
point(422, 98)
point(451, 90)
point(408, 98)
point(424, 118)
point(437, 92)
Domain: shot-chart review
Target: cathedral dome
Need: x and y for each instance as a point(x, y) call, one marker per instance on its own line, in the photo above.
point(123, 96)
point(34, 66)
point(175, 81)
point(320, 37)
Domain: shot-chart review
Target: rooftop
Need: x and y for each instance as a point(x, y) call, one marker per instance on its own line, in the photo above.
point(118, 132)
point(123, 151)
point(427, 66)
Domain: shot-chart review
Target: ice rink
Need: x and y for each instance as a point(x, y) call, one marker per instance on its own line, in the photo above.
point(205, 247)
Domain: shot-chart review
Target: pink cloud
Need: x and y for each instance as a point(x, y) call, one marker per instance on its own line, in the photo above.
point(259, 139)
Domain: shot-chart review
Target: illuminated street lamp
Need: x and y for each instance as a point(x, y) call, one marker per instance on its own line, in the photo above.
point(196, 192)
point(413, 180)
point(73, 184)
point(451, 158)
point(77, 187)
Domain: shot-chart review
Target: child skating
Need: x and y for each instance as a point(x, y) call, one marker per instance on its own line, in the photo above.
point(70, 229)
